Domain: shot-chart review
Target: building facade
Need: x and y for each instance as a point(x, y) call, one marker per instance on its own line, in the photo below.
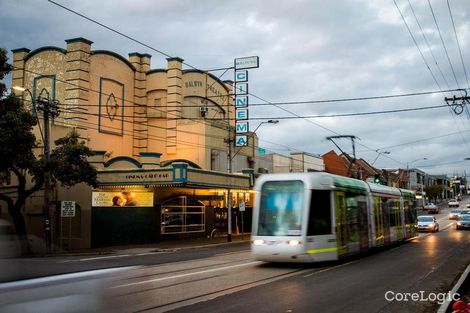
point(130, 113)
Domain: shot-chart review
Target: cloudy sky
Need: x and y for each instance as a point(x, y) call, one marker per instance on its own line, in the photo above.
point(309, 51)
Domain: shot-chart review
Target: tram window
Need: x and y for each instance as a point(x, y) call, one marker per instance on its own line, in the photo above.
point(319, 220)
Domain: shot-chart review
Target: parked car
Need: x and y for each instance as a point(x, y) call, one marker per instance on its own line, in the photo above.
point(454, 214)
point(432, 208)
point(453, 203)
point(463, 222)
point(427, 223)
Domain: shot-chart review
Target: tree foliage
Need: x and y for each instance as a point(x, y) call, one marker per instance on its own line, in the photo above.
point(24, 170)
point(434, 191)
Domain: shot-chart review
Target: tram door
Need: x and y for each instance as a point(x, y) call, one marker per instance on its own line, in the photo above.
point(386, 220)
point(341, 223)
point(378, 219)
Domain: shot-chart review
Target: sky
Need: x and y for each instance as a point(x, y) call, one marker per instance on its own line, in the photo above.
point(308, 51)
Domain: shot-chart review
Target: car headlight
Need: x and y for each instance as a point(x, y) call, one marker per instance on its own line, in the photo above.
point(431, 225)
point(258, 242)
point(459, 223)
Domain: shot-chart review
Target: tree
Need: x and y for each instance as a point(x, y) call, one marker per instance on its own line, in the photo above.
point(68, 163)
point(434, 191)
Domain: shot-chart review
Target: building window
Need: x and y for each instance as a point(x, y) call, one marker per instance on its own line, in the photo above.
point(182, 215)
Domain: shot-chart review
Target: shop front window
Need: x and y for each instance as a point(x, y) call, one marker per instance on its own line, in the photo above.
point(182, 215)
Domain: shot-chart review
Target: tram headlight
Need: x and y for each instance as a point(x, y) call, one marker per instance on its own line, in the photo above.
point(293, 242)
point(258, 242)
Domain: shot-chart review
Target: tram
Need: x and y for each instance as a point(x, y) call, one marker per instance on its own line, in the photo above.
point(316, 217)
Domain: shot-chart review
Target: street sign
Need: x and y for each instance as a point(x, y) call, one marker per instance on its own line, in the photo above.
point(241, 206)
point(67, 208)
point(246, 62)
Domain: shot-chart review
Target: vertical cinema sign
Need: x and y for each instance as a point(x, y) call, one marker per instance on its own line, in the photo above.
point(241, 98)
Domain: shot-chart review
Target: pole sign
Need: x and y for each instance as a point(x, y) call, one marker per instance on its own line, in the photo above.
point(241, 97)
point(67, 209)
point(246, 62)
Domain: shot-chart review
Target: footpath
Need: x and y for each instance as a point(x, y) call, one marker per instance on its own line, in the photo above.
point(162, 246)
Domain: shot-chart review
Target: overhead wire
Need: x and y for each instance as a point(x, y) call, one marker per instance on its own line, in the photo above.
point(458, 43)
point(161, 52)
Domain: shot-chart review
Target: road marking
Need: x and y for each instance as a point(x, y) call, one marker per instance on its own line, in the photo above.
point(188, 274)
point(330, 268)
point(233, 252)
point(62, 278)
point(98, 258)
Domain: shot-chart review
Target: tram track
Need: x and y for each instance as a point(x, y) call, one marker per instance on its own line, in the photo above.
point(221, 292)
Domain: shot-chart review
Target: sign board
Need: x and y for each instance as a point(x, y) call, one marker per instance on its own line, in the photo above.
point(241, 76)
point(241, 89)
point(241, 101)
point(241, 127)
point(241, 206)
point(241, 140)
point(122, 198)
point(246, 62)
point(241, 114)
point(67, 208)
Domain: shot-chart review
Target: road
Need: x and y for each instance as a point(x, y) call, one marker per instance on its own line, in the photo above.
point(229, 280)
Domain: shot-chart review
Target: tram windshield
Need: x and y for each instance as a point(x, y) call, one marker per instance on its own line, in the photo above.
point(281, 207)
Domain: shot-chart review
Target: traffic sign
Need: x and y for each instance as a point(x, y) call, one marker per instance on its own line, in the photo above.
point(67, 208)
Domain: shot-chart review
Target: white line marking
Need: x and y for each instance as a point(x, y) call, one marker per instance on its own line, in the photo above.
point(98, 258)
point(62, 277)
point(188, 274)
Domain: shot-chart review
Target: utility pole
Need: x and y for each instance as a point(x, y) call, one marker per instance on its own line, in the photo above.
point(50, 110)
point(453, 102)
point(353, 148)
point(229, 191)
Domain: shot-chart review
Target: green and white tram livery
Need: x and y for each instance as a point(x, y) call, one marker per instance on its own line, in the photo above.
point(314, 217)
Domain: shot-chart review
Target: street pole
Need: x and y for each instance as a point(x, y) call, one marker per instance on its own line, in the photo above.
point(49, 108)
point(229, 191)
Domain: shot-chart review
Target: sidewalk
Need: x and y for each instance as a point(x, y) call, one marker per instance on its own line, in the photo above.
point(162, 246)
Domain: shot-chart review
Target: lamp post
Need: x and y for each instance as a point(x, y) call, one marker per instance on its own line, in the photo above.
point(378, 154)
point(408, 169)
point(230, 158)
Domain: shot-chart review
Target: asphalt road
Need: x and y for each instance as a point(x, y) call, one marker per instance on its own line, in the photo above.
point(227, 279)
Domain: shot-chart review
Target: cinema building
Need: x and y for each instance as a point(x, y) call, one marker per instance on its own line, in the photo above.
point(161, 141)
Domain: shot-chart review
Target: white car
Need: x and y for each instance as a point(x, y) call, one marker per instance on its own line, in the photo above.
point(453, 203)
point(427, 223)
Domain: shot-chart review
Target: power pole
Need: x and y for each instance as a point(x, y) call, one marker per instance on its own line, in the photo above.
point(353, 148)
point(50, 110)
point(458, 103)
point(229, 191)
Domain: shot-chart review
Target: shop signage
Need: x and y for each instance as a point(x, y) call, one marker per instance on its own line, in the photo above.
point(122, 198)
point(241, 97)
point(246, 62)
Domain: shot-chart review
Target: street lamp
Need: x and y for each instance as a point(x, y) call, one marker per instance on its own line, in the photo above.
point(229, 195)
point(408, 173)
point(379, 153)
